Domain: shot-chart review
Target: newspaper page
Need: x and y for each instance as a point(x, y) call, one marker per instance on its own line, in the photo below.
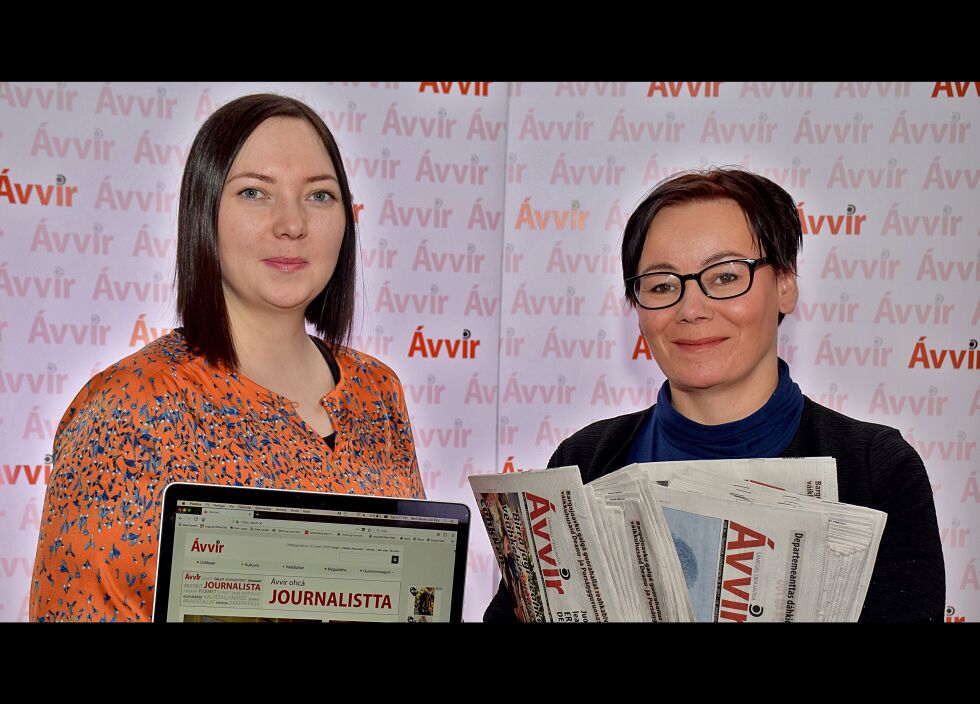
point(543, 534)
point(841, 563)
point(809, 476)
point(652, 554)
point(763, 540)
point(743, 562)
point(853, 536)
point(610, 526)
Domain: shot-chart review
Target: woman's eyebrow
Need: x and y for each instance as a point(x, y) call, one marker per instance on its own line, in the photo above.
point(269, 179)
point(707, 261)
point(719, 256)
point(250, 174)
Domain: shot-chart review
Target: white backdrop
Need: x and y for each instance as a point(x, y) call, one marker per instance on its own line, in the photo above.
point(493, 213)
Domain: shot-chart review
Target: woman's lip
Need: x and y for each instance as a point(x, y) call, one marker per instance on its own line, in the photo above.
point(702, 344)
point(285, 264)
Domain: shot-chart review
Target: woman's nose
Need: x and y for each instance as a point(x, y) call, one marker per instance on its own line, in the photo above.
point(694, 304)
point(290, 220)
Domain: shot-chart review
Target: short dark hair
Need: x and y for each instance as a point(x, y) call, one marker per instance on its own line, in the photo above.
point(200, 298)
point(769, 210)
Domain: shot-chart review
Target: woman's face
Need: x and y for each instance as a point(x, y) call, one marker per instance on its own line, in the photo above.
point(702, 344)
point(280, 221)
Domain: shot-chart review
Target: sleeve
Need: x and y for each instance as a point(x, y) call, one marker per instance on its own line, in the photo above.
point(500, 609)
point(909, 579)
point(403, 442)
point(94, 549)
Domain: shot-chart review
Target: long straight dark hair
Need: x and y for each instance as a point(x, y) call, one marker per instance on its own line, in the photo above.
point(200, 297)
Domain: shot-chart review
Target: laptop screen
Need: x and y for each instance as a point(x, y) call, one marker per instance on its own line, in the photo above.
point(262, 555)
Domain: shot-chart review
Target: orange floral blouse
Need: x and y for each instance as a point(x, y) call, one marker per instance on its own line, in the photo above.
point(164, 415)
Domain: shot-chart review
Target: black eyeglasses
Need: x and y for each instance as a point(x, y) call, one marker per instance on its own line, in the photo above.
point(662, 289)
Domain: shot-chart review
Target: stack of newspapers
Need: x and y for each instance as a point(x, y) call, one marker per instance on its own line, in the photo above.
point(708, 540)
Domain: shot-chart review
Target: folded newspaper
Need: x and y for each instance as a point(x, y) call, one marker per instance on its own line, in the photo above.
point(709, 540)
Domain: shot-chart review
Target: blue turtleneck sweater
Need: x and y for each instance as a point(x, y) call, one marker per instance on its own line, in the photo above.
point(667, 435)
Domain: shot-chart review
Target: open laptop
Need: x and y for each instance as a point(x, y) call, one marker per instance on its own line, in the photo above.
point(247, 554)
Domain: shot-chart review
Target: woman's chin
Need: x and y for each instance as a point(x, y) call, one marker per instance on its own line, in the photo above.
point(287, 303)
point(699, 381)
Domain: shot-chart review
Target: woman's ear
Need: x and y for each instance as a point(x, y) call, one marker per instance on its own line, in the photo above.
point(789, 292)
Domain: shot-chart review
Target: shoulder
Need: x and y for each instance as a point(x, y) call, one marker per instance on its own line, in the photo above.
point(362, 363)
point(157, 368)
point(830, 428)
point(164, 384)
point(600, 446)
point(121, 408)
point(360, 372)
point(605, 428)
point(166, 358)
point(872, 459)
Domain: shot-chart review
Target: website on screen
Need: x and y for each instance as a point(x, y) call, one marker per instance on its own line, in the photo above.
point(250, 563)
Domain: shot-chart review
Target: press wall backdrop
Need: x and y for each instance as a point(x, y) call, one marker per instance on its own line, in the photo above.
point(492, 213)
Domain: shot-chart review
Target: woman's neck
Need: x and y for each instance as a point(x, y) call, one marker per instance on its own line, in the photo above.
point(275, 351)
point(717, 405)
point(681, 434)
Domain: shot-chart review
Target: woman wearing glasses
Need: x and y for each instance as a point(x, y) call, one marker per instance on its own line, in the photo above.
point(709, 261)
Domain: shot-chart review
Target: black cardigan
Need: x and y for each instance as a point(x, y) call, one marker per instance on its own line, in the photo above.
point(876, 467)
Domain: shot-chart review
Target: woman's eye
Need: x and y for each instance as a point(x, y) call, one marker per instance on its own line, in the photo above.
point(250, 193)
point(322, 197)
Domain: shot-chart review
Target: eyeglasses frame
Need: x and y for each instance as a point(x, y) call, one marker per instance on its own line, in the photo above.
point(752, 263)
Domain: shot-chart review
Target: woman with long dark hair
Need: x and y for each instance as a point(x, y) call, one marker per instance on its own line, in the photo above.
point(240, 394)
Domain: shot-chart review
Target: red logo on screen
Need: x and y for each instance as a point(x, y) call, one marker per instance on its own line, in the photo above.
point(215, 547)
